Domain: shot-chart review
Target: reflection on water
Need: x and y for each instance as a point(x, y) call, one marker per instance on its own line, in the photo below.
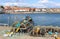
point(39, 19)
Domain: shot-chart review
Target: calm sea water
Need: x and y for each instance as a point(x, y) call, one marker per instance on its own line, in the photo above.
point(39, 19)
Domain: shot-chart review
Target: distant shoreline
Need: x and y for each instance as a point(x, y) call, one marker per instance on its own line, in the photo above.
point(31, 12)
point(26, 12)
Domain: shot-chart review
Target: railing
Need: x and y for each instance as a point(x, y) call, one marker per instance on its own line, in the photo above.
point(2, 24)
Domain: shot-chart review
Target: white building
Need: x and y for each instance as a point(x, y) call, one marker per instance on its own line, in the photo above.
point(44, 10)
point(38, 9)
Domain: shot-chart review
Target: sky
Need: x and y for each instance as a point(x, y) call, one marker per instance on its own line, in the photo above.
point(32, 3)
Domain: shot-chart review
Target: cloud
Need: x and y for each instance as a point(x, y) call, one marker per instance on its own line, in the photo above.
point(53, 4)
point(48, 3)
point(14, 3)
point(57, 4)
point(38, 3)
point(9, 4)
point(42, 1)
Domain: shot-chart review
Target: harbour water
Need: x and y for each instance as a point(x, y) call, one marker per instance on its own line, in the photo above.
point(38, 18)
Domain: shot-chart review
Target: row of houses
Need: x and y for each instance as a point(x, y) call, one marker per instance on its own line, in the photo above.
point(28, 9)
point(48, 9)
point(15, 8)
